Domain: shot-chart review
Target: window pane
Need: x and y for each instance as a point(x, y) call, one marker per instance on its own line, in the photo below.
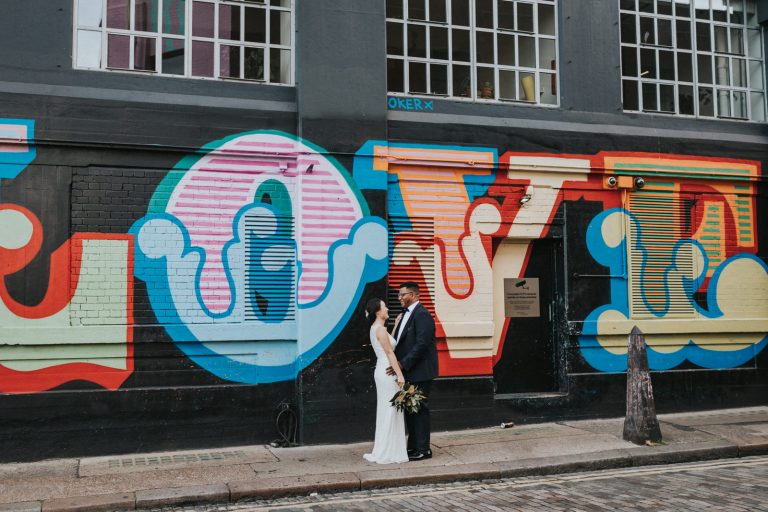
point(417, 40)
point(279, 3)
point(229, 61)
point(629, 95)
point(547, 19)
point(118, 14)
point(438, 79)
point(739, 104)
point(527, 51)
point(645, 6)
point(683, 34)
point(280, 28)
point(527, 87)
point(737, 11)
point(279, 66)
point(506, 49)
point(723, 103)
point(650, 99)
point(202, 21)
point(756, 74)
point(702, 9)
point(395, 77)
point(757, 104)
point(395, 9)
point(202, 58)
point(506, 10)
point(438, 42)
point(255, 25)
point(739, 72)
point(144, 53)
point(737, 41)
point(173, 56)
point(704, 65)
point(666, 65)
point(721, 39)
point(229, 23)
point(647, 63)
point(485, 83)
point(417, 77)
point(525, 17)
point(719, 10)
point(682, 8)
point(629, 5)
point(721, 71)
point(507, 85)
point(253, 63)
point(174, 14)
point(685, 67)
point(685, 99)
point(703, 37)
point(706, 105)
point(118, 51)
point(484, 13)
point(664, 7)
point(394, 38)
point(89, 13)
point(145, 15)
point(437, 11)
point(755, 43)
point(629, 61)
point(547, 54)
point(462, 82)
point(460, 12)
point(484, 47)
point(647, 31)
point(548, 89)
point(88, 49)
point(628, 28)
point(667, 98)
point(461, 45)
point(664, 35)
point(417, 10)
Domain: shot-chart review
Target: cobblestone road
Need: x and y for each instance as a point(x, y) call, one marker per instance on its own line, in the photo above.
point(727, 485)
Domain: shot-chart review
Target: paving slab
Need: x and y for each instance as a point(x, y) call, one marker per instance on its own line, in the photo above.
point(99, 503)
point(293, 485)
point(188, 495)
point(174, 460)
point(752, 439)
point(721, 417)
point(594, 461)
point(498, 434)
point(44, 469)
point(414, 475)
point(26, 506)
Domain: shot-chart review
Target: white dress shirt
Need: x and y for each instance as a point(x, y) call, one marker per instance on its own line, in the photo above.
point(406, 316)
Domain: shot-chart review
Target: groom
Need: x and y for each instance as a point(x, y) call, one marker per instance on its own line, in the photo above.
point(416, 353)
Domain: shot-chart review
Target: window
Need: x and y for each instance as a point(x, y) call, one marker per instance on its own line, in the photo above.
point(487, 50)
point(700, 58)
point(246, 40)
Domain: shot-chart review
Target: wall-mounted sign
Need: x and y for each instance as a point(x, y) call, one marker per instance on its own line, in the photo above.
point(413, 104)
point(521, 297)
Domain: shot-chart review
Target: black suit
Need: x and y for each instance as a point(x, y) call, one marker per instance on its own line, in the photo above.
point(417, 353)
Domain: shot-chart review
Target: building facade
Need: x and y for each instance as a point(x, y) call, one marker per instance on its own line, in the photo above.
point(198, 196)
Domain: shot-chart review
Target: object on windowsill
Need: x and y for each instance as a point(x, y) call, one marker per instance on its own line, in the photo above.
point(486, 91)
point(508, 424)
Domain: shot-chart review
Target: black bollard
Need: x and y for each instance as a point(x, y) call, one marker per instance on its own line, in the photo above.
point(640, 424)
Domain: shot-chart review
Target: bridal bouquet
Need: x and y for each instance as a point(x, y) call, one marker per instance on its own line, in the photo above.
point(408, 398)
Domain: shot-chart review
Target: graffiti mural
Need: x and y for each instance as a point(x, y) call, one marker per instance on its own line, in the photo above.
point(82, 329)
point(256, 254)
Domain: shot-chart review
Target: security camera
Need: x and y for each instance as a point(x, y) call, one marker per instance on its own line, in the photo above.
point(611, 181)
point(639, 182)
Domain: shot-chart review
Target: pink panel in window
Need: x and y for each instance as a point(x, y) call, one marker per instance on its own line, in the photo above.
point(202, 58)
point(202, 19)
point(118, 51)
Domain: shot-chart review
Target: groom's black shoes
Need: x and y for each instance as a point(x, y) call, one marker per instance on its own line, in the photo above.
point(412, 456)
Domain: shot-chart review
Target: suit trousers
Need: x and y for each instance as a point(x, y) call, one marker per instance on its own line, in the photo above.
point(418, 424)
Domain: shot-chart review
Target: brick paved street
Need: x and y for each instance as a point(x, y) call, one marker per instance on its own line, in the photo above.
point(727, 485)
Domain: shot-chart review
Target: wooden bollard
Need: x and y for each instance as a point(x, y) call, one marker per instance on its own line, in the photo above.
point(640, 424)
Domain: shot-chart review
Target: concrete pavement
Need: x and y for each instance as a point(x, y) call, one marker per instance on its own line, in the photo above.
point(141, 481)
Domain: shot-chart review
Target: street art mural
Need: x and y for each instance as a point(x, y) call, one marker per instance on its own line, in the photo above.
point(82, 329)
point(256, 250)
point(246, 294)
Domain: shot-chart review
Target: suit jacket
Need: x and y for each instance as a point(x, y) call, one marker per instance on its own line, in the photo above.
point(416, 349)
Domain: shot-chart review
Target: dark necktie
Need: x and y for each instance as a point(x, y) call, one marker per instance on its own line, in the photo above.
point(400, 325)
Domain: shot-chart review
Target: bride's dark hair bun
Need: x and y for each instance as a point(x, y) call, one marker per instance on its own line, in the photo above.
point(371, 308)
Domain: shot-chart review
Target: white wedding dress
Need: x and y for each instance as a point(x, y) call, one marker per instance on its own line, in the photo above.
point(389, 445)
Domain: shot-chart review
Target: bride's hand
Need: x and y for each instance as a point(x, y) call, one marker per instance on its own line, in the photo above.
point(400, 382)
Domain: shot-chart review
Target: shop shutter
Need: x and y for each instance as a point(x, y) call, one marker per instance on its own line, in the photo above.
point(662, 220)
point(270, 269)
point(421, 231)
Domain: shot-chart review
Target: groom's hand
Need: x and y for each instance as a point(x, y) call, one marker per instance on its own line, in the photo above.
point(390, 371)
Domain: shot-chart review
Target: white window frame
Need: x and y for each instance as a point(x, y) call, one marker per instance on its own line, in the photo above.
point(188, 39)
point(730, 91)
point(538, 72)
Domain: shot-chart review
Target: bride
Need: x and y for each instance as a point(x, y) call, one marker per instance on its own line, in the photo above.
point(389, 445)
